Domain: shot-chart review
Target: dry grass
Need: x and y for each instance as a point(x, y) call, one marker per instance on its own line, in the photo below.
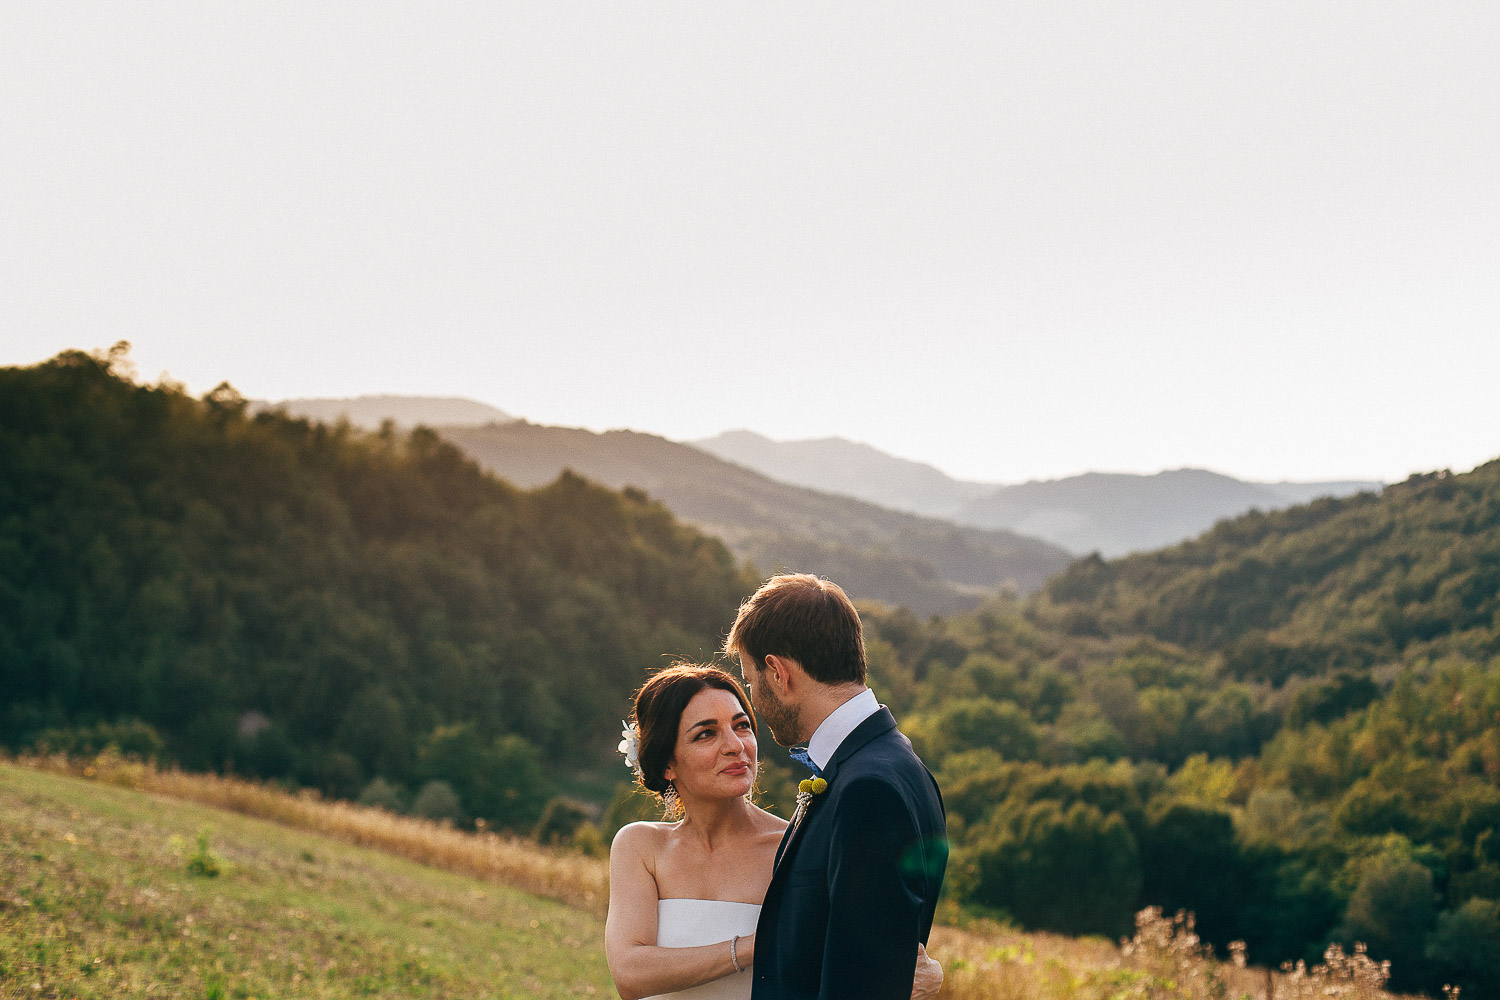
point(984, 961)
point(1165, 959)
point(565, 876)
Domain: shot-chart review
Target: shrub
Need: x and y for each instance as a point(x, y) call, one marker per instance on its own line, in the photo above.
point(438, 801)
point(1189, 858)
point(500, 780)
point(381, 794)
point(1391, 910)
point(1465, 948)
point(203, 862)
point(1071, 869)
point(560, 822)
point(131, 737)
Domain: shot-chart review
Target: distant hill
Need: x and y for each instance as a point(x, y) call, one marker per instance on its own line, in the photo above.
point(1118, 513)
point(929, 565)
point(835, 465)
point(407, 411)
point(1109, 513)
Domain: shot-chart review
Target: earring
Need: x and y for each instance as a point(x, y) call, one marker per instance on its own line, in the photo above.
point(671, 804)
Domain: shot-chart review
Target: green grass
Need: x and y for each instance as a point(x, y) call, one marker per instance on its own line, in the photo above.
point(106, 892)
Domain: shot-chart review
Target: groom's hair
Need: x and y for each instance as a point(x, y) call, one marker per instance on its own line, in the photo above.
point(804, 618)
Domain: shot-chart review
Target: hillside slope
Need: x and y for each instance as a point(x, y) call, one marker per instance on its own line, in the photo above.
point(1414, 569)
point(929, 565)
point(99, 901)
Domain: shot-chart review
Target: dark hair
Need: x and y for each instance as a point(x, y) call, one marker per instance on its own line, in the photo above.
point(659, 705)
point(804, 618)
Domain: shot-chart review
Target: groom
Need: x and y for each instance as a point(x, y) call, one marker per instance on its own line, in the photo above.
point(858, 871)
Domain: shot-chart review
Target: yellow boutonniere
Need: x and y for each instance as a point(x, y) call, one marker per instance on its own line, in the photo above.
point(806, 789)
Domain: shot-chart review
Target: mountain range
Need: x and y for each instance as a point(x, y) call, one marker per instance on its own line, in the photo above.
point(899, 530)
point(1109, 513)
point(930, 565)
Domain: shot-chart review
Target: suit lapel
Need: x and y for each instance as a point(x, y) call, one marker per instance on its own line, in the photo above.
point(881, 722)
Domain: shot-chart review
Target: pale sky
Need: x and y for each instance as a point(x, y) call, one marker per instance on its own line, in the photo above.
point(1012, 240)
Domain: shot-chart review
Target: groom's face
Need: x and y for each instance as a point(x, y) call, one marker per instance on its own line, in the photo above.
point(778, 716)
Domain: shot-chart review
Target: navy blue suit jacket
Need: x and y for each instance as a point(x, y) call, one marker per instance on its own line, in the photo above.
point(857, 878)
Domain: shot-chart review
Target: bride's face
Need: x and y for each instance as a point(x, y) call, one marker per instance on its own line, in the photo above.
point(715, 756)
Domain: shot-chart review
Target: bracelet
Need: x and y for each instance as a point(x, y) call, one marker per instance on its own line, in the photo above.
point(734, 956)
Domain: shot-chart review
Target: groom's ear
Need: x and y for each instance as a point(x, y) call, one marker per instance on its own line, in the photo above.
point(779, 670)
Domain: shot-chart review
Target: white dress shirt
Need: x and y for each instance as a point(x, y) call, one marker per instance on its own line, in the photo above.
point(840, 723)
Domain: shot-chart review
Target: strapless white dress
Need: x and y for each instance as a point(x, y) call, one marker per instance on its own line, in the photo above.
point(687, 923)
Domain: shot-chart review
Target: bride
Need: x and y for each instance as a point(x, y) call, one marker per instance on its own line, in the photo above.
point(684, 895)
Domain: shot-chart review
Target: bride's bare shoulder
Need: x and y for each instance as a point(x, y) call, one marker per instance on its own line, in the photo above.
point(642, 839)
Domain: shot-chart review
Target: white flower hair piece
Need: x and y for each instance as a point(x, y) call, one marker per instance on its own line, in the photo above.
point(630, 746)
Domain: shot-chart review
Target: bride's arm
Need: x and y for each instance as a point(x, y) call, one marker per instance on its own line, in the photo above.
point(638, 967)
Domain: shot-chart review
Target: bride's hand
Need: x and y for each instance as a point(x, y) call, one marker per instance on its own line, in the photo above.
point(929, 978)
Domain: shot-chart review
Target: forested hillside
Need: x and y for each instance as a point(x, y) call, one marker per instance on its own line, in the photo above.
point(1354, 581)
point(297, 600)
point(1290, 726)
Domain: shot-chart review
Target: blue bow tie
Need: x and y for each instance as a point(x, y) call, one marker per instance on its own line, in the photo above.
point(801, 756)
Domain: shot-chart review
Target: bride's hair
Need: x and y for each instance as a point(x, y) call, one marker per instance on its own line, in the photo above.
point(659, 705)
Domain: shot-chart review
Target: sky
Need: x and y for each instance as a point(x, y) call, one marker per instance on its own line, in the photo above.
point(1015, 241)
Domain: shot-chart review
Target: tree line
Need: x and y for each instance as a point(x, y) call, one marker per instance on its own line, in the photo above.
point(311, 603)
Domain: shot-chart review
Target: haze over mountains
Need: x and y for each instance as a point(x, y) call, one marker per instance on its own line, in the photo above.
point(930, 565)
point(1110, 513)
point(743, 487)
point(370, 412)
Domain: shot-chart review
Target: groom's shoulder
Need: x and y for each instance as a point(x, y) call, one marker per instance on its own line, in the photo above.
point(894, 743)
point(888, 754)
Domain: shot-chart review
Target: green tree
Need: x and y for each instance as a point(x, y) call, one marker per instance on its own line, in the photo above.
point(1465, 948)
point(1392, 910)
point(1071, 869)
point(972, 723)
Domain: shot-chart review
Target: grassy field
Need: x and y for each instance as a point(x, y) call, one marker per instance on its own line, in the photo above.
point(97, 900)
point(107, 889)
